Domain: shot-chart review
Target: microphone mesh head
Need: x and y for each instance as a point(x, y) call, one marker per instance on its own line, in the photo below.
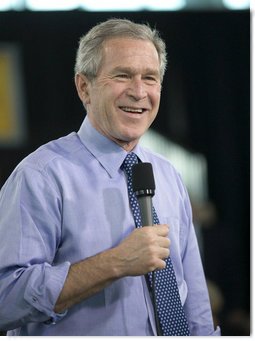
point(142, 177)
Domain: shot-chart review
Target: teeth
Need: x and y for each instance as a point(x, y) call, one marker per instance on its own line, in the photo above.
point(132, 110)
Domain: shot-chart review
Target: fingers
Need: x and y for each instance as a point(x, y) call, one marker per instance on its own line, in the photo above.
point(162, 230)
point(159, 245)
point(161, 265)
point(144, 250)
point(164, 242)
point(159, 234)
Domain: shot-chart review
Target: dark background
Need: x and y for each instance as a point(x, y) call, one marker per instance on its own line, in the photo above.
point(205, 107)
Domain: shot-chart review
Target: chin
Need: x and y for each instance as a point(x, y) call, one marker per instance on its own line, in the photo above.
point(133, 133)
point(131, 138)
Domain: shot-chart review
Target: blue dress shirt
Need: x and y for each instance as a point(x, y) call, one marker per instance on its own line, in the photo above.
point(68, 201)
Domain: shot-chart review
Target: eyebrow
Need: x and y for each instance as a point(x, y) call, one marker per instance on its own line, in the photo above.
point(147, 71)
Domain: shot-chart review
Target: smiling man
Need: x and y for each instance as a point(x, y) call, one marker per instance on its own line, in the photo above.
point(79, 265)
point(123, 100)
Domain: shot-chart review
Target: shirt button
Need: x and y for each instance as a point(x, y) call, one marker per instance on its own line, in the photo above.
point(34, 299)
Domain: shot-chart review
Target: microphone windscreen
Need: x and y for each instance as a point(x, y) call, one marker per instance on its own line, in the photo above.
point(142, 177)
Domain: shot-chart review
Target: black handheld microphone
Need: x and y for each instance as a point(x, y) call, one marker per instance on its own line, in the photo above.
point(144, 189)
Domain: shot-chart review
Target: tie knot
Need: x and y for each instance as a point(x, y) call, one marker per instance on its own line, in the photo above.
point(129, 161)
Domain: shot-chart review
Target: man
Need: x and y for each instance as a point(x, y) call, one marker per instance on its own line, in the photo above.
point(71, 260)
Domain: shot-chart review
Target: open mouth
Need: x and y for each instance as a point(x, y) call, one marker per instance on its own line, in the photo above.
point(133, 110)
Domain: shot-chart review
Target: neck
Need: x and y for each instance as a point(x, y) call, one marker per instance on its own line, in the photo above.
point(128, 146)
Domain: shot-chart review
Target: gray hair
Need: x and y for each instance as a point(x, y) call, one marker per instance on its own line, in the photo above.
point(89, 54)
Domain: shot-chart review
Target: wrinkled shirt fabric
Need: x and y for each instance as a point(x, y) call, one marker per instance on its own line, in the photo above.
point(68, 201)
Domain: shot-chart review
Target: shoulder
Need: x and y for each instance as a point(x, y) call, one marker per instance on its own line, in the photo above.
point(164, 171)
point(47, 165)
point(158, 161)
point(48, 155)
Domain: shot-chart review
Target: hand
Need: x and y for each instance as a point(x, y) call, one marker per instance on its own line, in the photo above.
point(144, 250)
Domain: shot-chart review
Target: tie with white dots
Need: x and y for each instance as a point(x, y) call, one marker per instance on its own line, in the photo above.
point(169, 308)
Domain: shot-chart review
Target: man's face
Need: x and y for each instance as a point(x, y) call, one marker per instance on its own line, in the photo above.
point(123, 100)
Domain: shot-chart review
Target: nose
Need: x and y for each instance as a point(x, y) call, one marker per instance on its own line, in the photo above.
point(137, 89)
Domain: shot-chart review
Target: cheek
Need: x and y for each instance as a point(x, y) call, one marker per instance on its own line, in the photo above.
point(156, 97)
point(155, 101)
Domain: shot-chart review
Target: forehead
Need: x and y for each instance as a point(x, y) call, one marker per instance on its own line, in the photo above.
point(120, 51)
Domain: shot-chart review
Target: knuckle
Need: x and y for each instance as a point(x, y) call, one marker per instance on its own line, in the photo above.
point(161, 265)
point(152, 250)
point(153, 264)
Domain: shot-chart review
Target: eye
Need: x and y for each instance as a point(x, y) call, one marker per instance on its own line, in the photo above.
point(122, 76)
point(151, 79)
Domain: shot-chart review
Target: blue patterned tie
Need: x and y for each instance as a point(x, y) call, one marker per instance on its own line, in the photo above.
point(169, 308)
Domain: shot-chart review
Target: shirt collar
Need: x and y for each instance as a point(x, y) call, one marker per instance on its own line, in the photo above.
point(107, 152)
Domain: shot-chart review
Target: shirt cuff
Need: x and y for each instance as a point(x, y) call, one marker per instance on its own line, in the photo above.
point(45, 285)
point(56, 317)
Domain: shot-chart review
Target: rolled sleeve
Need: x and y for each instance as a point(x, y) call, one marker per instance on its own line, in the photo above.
point(44, 287)
point(30, 224)
point(31, 295)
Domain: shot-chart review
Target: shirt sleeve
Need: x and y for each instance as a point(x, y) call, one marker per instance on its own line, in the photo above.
point(197, 305)
point(30, 231)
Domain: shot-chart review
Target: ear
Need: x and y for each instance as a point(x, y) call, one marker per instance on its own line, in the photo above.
point(82, 86)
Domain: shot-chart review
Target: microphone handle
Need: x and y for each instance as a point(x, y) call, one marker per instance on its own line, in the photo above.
point(145, 204)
